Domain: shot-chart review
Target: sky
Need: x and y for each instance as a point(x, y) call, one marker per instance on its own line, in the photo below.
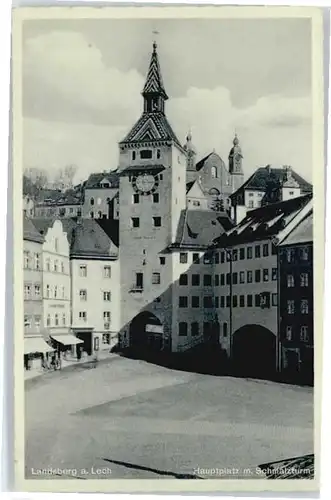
point(82, 83)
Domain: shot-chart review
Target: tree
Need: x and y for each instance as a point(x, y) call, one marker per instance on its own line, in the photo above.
point(64, 177)
point(34, 180)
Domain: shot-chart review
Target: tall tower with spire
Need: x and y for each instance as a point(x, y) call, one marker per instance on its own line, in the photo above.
point(235, 165)
point(152, 196)
point(191, 153)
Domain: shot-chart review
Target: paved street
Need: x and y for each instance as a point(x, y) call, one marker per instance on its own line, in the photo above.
point(131, 419)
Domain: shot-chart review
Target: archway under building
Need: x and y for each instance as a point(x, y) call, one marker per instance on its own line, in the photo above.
point(146, 333)
point(254, 352)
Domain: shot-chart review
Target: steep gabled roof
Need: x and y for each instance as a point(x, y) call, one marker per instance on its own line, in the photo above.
point(94, 180)
point(303, 233)
point(198, 228)
point(90, 241)
point(201, 163)
point(42, 224)
point(30, 232)
point(151, 127)
point(263, 175)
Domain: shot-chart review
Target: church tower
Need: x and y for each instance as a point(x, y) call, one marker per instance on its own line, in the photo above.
point(152, 195)
point(191, 171)
point(235, 165)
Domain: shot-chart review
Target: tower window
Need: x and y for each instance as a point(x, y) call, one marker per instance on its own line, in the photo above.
point(92, 201)
point(182, 330)
point(162, 261)
point(135, 222)
point(92, 215)
point(135, 198)
point(214, 172)
point(156, 198)
point(146, 154)
point(157, 221)
point(140, 280)
point(156, 278)
point(133, 155)
point(161, 177)
point(158, 154)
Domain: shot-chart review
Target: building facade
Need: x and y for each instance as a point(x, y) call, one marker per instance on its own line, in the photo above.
point(100, 196)
point(296, 305)
point(96, 290)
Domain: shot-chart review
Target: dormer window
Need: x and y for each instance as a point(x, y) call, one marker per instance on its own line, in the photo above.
point(146, 154)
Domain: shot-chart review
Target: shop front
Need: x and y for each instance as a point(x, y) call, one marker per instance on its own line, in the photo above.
point(37, 352)
point(67, 346)
point(85, 335)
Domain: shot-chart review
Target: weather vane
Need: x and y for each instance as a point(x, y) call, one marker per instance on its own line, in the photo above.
point(155, 33)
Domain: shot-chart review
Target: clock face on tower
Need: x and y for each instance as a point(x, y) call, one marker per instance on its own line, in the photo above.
point(145, 183)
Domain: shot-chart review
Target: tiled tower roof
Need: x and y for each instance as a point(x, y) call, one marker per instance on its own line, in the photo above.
point(154, 82)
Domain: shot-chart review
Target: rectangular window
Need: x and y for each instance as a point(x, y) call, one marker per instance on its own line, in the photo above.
point(55, 292)
point(136, 198)
point(37, 261)
point(162, 261)
point(274, 301)
point(196, 258)
point(27, 322)
point(62, 267)
point(37, 291)
point(217, 302)
point(156, 278)
point(228, 301)
point(222, 256)
point(83, 315)
point(156, 198)
point(265, 249)
point(26, 259)
point(250, 203)
point(82, 271)
point(139, 281)
point(304, 254)
point(106, 271)
point(249, 300)
point(27, 291)
point(242, 300)
point(207, 258)
point(208, 302)
point(106, 316)
point(48, 321)
point(249, 276)
point(207, 279)
point(146, 154)
point(304, 279)
point(304, 334)
point(37, 322)
point(235, 301)
point(63, 319)
point(107, 296)
point(290, 307)
point(195, 301)
point(83, 295)
point(249, 252)
point(48, 264)
point(274, 273)
point(228, 255)
point(235, 254)
point(265, 274)
point(289, 255)
point(182, 329)
point(63, 292)
point(257, 275)
point(222, 279)
point(225, 329)
point(273, 249)
point(222, 302)
point(257, 300)
point(242, 253)
point(135, 222)
point(257, 251)
point(289, 333)
point(183, 258)
point(182, 301)
point(235, 278)
point(242, 277)
point(157, 221)
point(290, 281)
point(194, 329)
point(228, 278)
point(48, 291)
point(304, 306)
point(183, 279)
point(195, 279)
point(217, 258)
point(55, 266)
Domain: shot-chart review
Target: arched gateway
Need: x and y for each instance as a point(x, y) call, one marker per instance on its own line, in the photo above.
point(254, 352)
point(146, 332)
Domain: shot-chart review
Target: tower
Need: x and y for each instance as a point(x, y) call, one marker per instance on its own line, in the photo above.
point(235, 165)
point(152, 195)
point(191, 171)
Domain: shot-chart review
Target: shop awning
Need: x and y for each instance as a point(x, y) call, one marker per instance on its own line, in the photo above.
point(67, 339)
point(154, 328)
point(36, 344)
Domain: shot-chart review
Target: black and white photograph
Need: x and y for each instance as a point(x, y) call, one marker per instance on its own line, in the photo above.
point(169, 248)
